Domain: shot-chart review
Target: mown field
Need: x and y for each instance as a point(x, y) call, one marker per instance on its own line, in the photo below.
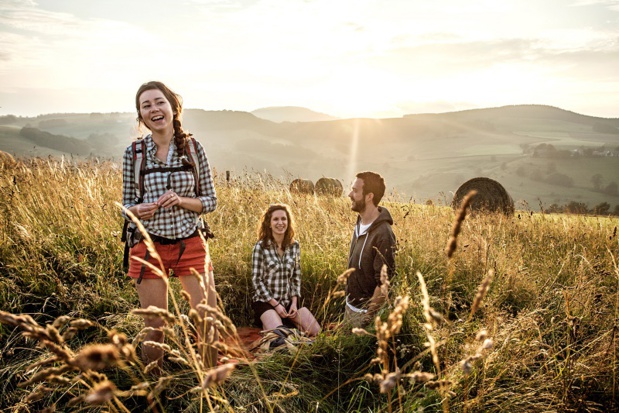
point(522, 318)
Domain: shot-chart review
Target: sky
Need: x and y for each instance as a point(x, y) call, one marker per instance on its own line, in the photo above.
point(345, 58)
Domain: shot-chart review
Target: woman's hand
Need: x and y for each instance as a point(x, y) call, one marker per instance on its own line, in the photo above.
point(146, 210)
point(292, 313)
point(281, 311)
point(169, 199)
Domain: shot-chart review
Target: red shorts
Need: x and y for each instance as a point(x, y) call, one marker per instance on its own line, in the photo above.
point(195, 256)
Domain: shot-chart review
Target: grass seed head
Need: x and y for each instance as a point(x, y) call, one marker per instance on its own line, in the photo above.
point(96, 357)
point(155, 312)
point(452, 244)
point(217, 375)
point(102, 393)
point(421, 376)
point(342, 279)
point(61, 321)
point(390, 381)
point(152, 366)
point(487, 344)
point(81, 324)
point(481, 291)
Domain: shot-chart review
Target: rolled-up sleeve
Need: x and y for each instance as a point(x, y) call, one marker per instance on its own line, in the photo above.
point(257, 278)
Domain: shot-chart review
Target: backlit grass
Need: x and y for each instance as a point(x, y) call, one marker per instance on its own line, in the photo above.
point(546, 288)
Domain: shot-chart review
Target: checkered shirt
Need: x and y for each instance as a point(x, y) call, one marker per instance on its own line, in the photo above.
point(175, 222)
point(274, 276)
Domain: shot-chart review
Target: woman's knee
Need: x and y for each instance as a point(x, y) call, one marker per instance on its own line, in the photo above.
point(304, 312)
point(270, 319)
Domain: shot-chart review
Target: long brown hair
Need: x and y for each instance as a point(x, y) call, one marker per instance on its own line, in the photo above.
point(265, 234)
point(176, 101)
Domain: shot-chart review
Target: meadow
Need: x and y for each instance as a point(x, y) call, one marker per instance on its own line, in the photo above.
point(519, 313)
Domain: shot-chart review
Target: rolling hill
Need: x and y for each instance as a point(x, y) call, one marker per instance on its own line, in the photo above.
point(291, 114)
point(542, 155)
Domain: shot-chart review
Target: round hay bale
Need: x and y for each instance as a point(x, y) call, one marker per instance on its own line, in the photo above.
point(491, 196)
point(7, 159)
point(302, 186)
point(329, 187)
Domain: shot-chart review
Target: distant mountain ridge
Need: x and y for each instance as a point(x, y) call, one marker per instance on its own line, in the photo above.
point(527, 148)
point(518, 111)
point(291, 114)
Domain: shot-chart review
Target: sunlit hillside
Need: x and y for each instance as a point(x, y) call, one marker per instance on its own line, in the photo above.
point(425, 156)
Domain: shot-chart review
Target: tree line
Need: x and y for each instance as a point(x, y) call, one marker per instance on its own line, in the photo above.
point(574, 207)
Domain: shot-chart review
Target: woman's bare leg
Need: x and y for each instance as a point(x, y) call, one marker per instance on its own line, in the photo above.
point(153, 292)
point(197, 295)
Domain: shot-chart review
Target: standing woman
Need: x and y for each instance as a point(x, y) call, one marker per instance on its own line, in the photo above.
point(168, 201)
point(276, 274)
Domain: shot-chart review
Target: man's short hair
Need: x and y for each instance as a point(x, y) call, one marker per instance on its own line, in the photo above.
point(374, 183)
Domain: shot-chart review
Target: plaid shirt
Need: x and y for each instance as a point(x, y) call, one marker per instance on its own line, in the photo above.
point(274, 276)
point(175, 222)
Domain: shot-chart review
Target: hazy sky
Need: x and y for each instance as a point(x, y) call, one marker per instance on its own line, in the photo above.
point(342, 57)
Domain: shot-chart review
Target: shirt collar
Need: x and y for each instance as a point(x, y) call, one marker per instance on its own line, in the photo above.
point(151, 146)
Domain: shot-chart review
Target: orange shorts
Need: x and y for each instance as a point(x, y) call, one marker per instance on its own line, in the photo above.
point(195, 256)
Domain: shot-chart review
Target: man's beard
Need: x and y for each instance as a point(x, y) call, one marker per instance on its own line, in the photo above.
point(358, 206)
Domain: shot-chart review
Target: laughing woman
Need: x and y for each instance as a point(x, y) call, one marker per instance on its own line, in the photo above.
point(276, 274)
point(167, 185)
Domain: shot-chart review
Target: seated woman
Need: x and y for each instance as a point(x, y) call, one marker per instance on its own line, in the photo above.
point(276, 275)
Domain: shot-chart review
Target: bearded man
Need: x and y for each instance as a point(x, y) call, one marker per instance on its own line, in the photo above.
point(373, 245)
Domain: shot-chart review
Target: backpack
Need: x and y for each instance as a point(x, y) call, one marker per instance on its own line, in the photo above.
point(130, 234)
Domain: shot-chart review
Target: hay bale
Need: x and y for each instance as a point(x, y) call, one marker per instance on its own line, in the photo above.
point(302, 186)
point(329, 187)
point(491, 196)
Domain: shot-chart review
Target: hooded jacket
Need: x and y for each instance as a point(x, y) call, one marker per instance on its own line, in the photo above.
point(368, 252)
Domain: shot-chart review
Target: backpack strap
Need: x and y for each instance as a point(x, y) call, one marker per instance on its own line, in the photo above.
point(195, 160)
point(139, 164)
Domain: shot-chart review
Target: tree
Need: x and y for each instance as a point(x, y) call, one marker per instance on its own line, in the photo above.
point(560, 179)
point(554, 209)
point(576, 208)
point(611, 189)
point(596, 180)
point(601, 209)
point(7, 119)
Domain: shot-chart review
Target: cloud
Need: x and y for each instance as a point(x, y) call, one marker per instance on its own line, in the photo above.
point(325, 54)
point(610, 4)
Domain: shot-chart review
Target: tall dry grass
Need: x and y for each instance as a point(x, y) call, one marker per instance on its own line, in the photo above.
point(541, 288)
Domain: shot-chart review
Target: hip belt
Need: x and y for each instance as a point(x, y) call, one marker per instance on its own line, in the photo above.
point(172, 241)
